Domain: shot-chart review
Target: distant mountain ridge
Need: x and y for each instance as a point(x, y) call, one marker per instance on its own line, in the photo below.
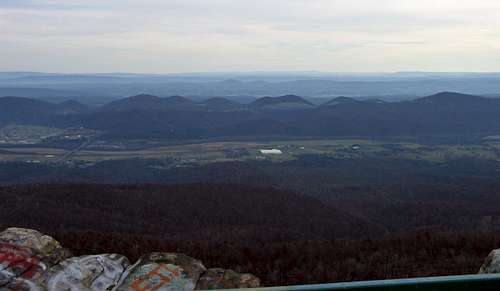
point(402, 86)
point(23, 110)
point(339, 100)
point(32, 111)
point(181, 118)
point(149, 102)
point(37, 92)
point(220, 103)
point(72, 107)
point(281, 102)
point(452, 97)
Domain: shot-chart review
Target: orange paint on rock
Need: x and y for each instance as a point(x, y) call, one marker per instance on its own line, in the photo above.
point(163, 274)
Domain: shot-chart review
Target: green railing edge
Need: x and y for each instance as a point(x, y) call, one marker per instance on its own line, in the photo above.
point(421, 282)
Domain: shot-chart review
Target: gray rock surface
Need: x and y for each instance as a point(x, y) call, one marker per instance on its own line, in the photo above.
point(97, 272)
point(20, 268)
point(32, 261)
point(226, 279)
point(32, 239)
point(163, 271)
point(492, 263)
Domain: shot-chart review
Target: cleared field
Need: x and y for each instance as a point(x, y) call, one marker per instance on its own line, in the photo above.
point(210, 152)
point(203, 153)
point(35, 150)
point(27, 134)
point(36, 155)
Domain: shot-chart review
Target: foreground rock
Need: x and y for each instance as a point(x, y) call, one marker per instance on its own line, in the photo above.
point(20, 268)
point(99, 272)
point(491, 264)
point(29, 238)
point(30, 260)
point(226, 279)
point(43, 245)
point(163, 271)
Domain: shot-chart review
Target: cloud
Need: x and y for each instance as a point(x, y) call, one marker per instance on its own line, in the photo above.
point(219, 35)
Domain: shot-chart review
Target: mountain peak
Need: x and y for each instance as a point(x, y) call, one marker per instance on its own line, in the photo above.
point(137, 102)
point(339, 100)
point(177, 98)
point(449, 97)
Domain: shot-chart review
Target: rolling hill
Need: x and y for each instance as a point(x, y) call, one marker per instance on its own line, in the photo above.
point(287, 102)
point(72, 107)
point(220, 104)
point(180, 118)
point(149, 103)
point(193, 211)
point(339, 100)
point(25, 111)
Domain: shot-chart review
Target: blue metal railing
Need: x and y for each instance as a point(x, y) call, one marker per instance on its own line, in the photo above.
point(490, 282)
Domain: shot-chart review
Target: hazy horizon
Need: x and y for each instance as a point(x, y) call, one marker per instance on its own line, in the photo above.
point(241, 36)
point(256, 72)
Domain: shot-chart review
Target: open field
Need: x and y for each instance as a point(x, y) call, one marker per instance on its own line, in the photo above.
point(21, 134)
point(210, 152)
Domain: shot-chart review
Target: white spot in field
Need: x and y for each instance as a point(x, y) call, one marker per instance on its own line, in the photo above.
point(271, 152)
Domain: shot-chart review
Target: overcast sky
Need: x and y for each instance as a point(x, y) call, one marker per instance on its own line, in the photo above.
point(165, 36)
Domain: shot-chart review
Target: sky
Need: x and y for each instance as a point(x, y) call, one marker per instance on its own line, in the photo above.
point(179, 36)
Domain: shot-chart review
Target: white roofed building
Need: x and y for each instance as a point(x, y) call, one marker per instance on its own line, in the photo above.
point(271, 152)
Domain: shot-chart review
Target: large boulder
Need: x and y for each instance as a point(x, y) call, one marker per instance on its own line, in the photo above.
point(32, 261)
point(20, 268)
point(96, 273)
point(44, 246)
point(226, 279)
point(492, 263)
point(29, 238)
point(162, 272)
